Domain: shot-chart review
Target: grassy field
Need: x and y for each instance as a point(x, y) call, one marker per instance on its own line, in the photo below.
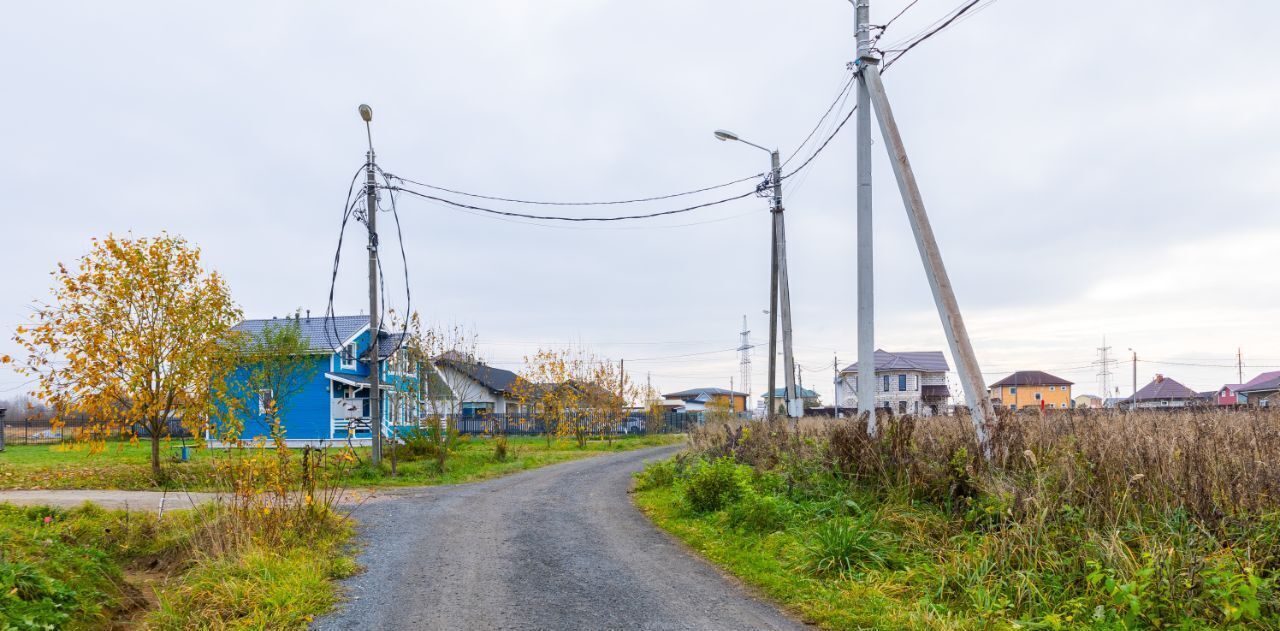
point(1147, 521)
point(88, 568)
point(121, 465)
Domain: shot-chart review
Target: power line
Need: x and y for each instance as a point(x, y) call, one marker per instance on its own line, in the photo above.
point(507, 213)
point(945, 23)
point(599, 203)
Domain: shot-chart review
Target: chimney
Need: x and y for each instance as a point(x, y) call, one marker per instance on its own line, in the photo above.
point(308, 315)
point(1159, 378)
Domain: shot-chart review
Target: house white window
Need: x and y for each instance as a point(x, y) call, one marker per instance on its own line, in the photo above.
point(264, 400)
point(886, 383)
point(1052, 388)
point(347, 357)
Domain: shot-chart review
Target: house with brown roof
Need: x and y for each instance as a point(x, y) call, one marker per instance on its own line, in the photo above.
point(1261, 390)
point(1163, 393)
point(912, 382)
point(1034, 389)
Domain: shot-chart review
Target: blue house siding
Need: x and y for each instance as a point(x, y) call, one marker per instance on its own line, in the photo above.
point(308, 414)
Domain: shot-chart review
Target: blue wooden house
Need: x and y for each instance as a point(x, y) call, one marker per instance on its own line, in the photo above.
point(333, 406)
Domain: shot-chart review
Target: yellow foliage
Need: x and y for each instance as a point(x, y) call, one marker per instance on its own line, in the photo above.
point(132, 336)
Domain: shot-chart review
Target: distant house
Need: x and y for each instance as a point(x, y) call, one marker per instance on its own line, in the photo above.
point(1163, 393)
point(1261, 390)
point(696, 399)
point(335, 400)
point(811, 399)
point(905, 382)
point(472, 388)
point(1228, 395)
point(1086, 401)
point(1032, 388)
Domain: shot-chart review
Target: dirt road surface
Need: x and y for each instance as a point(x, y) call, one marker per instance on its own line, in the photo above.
point(556, 548)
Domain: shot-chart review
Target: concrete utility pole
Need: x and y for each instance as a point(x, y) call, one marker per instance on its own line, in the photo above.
point(371, 217)
point(1239, 365)
point(773, 322)
point(784, 293)
point(835, 380)
point(866, 375)
point(1134, 404)
point(944, 296)
point(779, 287)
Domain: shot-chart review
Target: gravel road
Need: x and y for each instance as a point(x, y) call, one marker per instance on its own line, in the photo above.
point(559, 547)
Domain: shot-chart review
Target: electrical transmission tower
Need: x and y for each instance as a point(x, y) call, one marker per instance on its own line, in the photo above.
point(744, 363)
point(1104, 368)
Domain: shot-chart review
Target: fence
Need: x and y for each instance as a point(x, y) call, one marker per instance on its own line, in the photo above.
point(38, 431)
point(529, 425)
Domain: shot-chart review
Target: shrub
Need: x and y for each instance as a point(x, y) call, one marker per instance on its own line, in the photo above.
point(841, 545)
point(500, 449)
point(760, 513)
point(656, 475)
point(710, 486)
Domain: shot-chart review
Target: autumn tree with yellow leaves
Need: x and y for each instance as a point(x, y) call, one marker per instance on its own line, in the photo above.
point(133, 336)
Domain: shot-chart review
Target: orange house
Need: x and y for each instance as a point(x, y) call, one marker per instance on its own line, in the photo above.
point(1030, 389)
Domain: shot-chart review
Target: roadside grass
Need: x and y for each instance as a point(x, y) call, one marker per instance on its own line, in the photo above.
point(83, 569)
point(1081, 521)
point(125, 466)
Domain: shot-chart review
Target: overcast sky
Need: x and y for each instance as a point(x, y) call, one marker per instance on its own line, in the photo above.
point(1091, 168)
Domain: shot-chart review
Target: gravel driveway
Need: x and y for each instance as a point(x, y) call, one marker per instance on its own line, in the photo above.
point(559, 547)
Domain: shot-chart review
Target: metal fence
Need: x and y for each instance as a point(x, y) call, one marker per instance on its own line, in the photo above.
point(529, 425)
point(38, 431)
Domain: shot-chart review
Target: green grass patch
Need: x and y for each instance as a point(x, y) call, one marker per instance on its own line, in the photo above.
point(126, 466)
point(850, 554)
point(89, 568)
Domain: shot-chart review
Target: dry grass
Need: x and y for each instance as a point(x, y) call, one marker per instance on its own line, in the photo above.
point(1152, 519)
point(1214, 465)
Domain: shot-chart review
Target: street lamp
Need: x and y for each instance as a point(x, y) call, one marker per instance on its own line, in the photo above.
point(779, 286)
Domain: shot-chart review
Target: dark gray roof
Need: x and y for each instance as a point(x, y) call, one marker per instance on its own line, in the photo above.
point(715, 392)
point(1031, 378)
point(924, 361)
point(495, 379)
point(324, 335)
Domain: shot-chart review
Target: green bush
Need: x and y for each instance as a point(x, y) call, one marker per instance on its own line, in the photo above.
point(500, 449)
point(711, 486)
point(842, 545)
point(656, 475)
point(761, 513)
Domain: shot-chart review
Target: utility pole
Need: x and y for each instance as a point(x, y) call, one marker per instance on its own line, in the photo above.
point(1239, 365)
point(779, 286)
point(866, 375)
point(975, 392)
point(784, 293)
point(371, 219)
point(1134, 404)
point(773, 323)
point(835, 380)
